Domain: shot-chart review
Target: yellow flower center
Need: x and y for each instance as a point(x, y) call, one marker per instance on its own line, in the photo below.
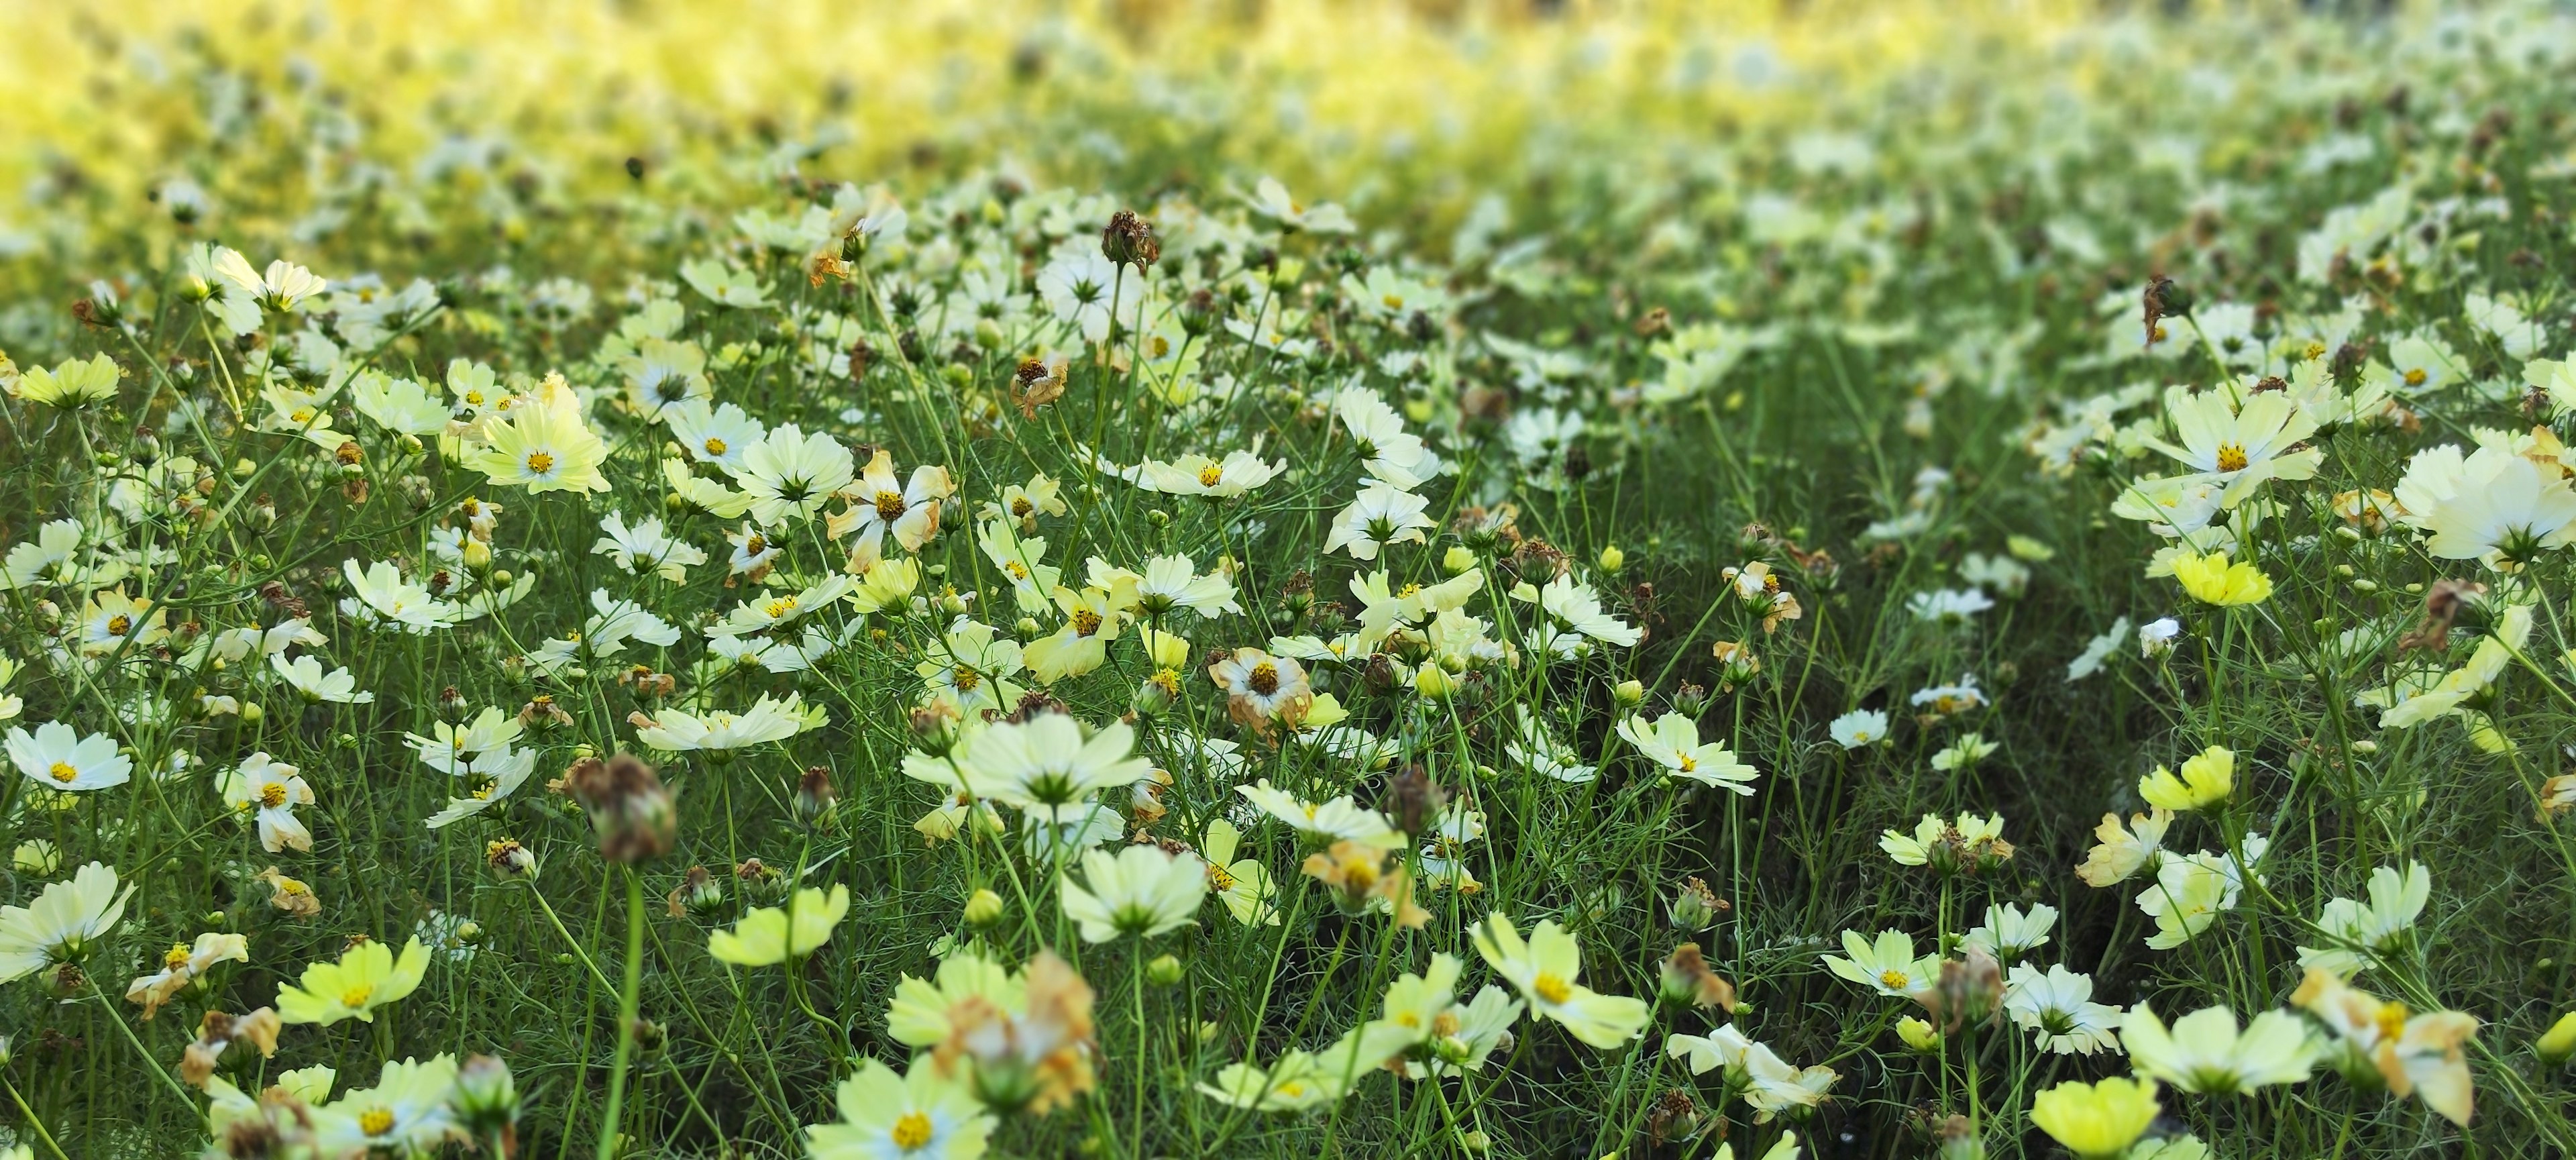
point(1220, 878)
point(358, 995)
point(2231, 457)
point(176, 957)
point(714, 445)
point(1892, 979)
point(474, 398)
point(1085, 622)
point(376, 1121)
point(63, 772)
point(1263, 679)
point(272, 795)
point(1211, 473)
point(912, 1131)
point(1017, 570)
point(2415, 378)
point(890, 505)
point(1445, 1024)
point(119, 625)
point(1393, 301)
point(540, 463)
point(2391, 1020)
point(755, 545)
point(1690, 764)
point(1549, 988)
point(779, 607)
point(965, 679)
point(1292, 1089)
point(1021, 507)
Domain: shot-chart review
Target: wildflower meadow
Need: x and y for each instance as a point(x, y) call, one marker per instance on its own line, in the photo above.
point(1595, 579)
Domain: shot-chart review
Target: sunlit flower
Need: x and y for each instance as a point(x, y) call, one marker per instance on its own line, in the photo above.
point(57, 758)
point(769, 935)
point(885, 1116)
point(63, 924)
point(1139, 891)
point(366, 977)
point(270, 791)
point(1547, 970)
point(2413, 1054)
point(2203, 1052)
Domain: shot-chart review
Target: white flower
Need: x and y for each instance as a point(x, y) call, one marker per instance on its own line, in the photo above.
point(283, 287)
point(2492, 505)
point(720, 731)
point(2358, 928)
point(1858, 728)
point(1672, 742)
point(1381, 515)
point(2097, 650)
point(1949, 604)
point(1886, 965)
point(2157, 636)
point(381, 598)
point(791, 475)
point(63, 922)
point(304, 674)
point(645, 547)
point(57, 758)
point(1140, 891)
point(271, 790)
point(2010, 932)
point(2059, 1006)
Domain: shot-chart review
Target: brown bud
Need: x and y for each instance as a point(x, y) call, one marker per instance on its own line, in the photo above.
point(628, 805)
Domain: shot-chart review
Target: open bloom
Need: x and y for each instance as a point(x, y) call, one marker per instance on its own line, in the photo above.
point(1243, 885)
point(2357, 929)
point(270, 791)
point(1672, 742)
point(55, 757)
point(885, 1116)
point(2414, 1054)
point(769, 935)
point(1262, 689)
point(1886, 964)
point(2239, 445)
point(408, 1112)
point(790, 475)
point(879, 507)
point(63, 924)
point(1140, 891)
point(1547, 969)
point(2203, 1051)
point(367, 976)
point(2210, 579)
point(182, 964)
point(1050, 759)
point(2208, 778)
point(304, 674)
point(543, 445)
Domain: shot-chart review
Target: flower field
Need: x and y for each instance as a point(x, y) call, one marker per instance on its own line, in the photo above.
point(1288, 578)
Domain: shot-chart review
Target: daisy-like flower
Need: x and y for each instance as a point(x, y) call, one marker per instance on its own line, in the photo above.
point(2208, 779)
point(543, 446)
point(720, 435)
point(1388, 452)
point(1382, 515)
point(879, 507)
point(2190, 892)
point(1672, 743)
point(182, 965)
point(919, 1115)
point(1270, 201)
point(1092, 618)
point(402, 406)
point(380, 597)
point(724, 284)
point(1574, 615)
point(1859, 728)
point(2095, 1120)
point(970, 666)
point(282, 287)
point(752, 554)
point(51, 551)
point(790, 475)
point(1886, 965)
point(1948, 605)
point(2357, 929)
point(304, 674)
point(2010, 932)
point(1048, 760)
point(1538, 750)
point(455, 749)
point(493, 776)
point(1194, 474)
point(2242, 445)
point(925, 1012)
point(2210, 579)
point(1139, 891)
point(722, 731)
point(1964, 753)
point(2491, 505)
point(1342, 819)
point(1244, 885)
point(270, 791)
point(2414, 1054)
point(57, 758)
point(408, 1112)
point(1950, 700)
point(662, 374)
point(63, 924)
point(1547, 971)
point(1971, 842)
point(1262, 690)
point(367, 976)
point(72, 382)
point(1296, 1081)
point(114, 622)
point(770, 935)
point(706, 495)
point(2123, 851)
point(645, 547)
point(2203, 1052)
point(1171, 582)
point(2059, 1006)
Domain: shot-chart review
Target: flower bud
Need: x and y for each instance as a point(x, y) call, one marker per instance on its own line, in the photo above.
point(486, 1099)
point(1165, 970)
point(1434, 683)
point(1690, 700)
point(697, 893)
point(983, 908)
point(631, 809)
point(1629, 693)
point(1156, 693)
point(509, 859)
point(1918, 1035)
point(2559, 1042)
point(1457, 560)
point(1695, 907)
point(814, 793)
point(1612, 560)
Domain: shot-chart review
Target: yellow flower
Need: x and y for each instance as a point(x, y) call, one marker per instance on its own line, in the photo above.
point(2559, 1041)
point(768, 936)
point(366, 977)
point(2096, 1119)
point(544, 445)
point(2211, 579)
point(2206, 780)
